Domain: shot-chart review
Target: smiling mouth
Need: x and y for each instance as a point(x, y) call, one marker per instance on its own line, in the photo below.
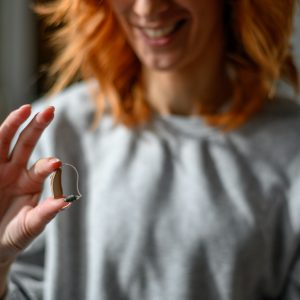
point(162, 32)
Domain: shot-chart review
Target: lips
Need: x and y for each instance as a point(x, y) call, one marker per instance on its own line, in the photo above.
point(160, 32)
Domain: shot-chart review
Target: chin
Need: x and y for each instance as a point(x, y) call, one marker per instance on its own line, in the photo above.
point(162, 64)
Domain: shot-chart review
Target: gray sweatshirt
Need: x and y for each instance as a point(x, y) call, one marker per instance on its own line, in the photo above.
point(172, 210)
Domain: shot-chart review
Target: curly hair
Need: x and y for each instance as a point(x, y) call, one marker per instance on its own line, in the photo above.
point(91, 44)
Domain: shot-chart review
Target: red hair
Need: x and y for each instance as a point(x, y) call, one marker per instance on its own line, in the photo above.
point(92, 45)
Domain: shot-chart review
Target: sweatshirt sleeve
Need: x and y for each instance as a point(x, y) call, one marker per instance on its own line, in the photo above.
point(292, 291)
point(292, 283)
point(26, 276)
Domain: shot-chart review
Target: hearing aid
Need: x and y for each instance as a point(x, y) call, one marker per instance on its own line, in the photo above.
point(56, 185)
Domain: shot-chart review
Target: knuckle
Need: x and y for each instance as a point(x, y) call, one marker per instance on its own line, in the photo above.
point(4, 140)
point(5, 134)
point(13, 120)
point(28, 232)
point(36, 176)
point(39, 122)
point(11, 243)
point(28, 139)
point(27, 144)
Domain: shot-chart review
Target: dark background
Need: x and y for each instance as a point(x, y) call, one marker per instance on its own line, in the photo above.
point(24, 55)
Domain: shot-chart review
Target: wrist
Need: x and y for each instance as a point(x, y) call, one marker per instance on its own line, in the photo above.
point(4, 271)
point(3, 293)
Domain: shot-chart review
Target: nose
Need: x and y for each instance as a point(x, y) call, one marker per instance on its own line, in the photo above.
point(145, 8)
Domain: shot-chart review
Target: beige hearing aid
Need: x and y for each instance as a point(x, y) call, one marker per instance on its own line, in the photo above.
point(56, 185)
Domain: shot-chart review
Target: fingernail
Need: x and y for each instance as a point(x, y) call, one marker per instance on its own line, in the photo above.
point(71, 198)
point(51, 107)
point(25, 105)
point(66, 206)
point(53, 160)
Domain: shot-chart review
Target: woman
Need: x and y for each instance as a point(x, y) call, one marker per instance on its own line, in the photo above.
point(189, 166)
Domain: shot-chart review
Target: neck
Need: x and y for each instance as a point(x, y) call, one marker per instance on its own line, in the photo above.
point(186, 91)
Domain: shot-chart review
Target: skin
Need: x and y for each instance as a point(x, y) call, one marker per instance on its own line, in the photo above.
point(22, 218)
point(181, 70)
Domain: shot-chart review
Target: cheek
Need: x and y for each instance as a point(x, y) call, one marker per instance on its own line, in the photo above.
point(207, 16)
point(119, 7)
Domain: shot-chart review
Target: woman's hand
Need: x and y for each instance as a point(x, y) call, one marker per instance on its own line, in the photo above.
point(22, 218)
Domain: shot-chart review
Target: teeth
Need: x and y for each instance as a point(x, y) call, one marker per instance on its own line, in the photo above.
point(159, 33)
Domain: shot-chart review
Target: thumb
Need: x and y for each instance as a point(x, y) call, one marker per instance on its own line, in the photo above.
point(27, 225)
point(38, 217)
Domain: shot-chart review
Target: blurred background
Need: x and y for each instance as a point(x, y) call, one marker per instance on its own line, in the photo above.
point(24, 55)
